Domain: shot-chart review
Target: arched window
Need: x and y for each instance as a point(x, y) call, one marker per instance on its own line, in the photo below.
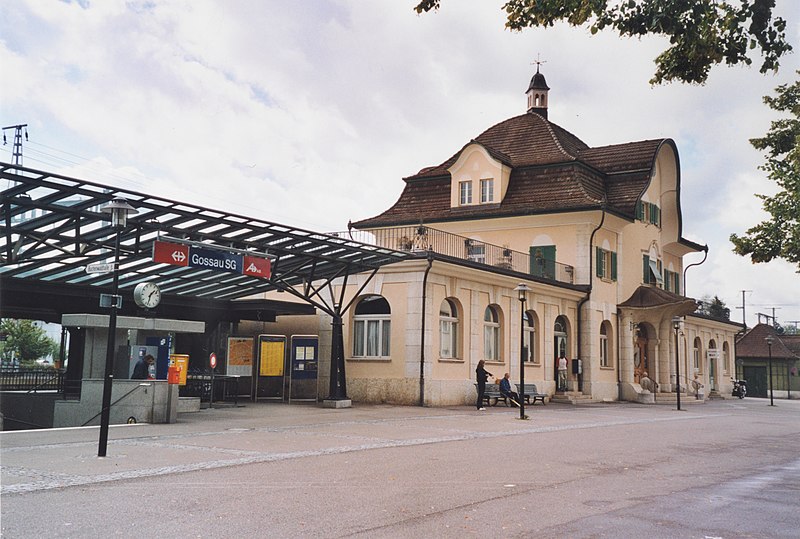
point(491, 334)
point(605, 358)
point(696, 354)
point(372, 327)
point(530, 338)
point(448, 329)
point(726, 358)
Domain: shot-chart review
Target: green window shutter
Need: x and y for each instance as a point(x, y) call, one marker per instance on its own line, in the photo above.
point(677, 276)
point(543, 261)
point(651, 213)
point(613, 266)
point(640, 210)
point(646, 269)
point(658, 216)
point(667, 280)
point(598, 263)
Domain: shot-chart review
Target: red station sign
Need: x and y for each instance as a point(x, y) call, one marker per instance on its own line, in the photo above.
point(177, 254)
point(170, 253)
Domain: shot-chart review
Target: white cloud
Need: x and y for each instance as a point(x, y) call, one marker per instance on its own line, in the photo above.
point(310, 114)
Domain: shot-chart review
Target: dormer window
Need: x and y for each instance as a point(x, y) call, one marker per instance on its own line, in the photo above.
point(464, 193)
point(487, 190)
point(477, 177)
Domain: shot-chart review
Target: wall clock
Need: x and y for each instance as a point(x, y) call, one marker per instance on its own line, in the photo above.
point(147, 295)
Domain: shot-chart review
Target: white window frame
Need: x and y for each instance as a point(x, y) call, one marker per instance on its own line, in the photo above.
point(448, 330)
point(491, 334)
point(487, 190)
point(372, 335)
point(726, 359)
point(464, 193)
point(530, 338)
point(604, 359)
point(696, 349)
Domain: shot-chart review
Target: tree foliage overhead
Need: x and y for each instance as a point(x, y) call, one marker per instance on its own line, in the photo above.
point(701, 33)
point(779, 236)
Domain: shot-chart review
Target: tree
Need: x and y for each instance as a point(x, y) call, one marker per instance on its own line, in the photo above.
point(28, 341)
point(715, 308)
point(702, 33)
point(779, 236)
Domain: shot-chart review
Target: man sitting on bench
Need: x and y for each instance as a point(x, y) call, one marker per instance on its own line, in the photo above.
point(506, 391)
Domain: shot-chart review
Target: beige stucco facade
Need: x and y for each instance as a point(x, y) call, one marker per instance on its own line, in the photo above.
point(525, 195)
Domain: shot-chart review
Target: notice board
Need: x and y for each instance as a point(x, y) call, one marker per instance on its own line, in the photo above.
point(240, 356)
point(272, 354)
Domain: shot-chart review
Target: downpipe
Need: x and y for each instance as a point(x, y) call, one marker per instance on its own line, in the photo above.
point(422, 333)
point(589, 292)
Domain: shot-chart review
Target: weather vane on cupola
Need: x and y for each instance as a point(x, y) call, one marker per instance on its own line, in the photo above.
point(537, 91)
point(538, 62)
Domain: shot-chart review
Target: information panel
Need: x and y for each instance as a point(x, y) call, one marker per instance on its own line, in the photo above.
point(272, 353)
point(240, 356)
point(304, 357)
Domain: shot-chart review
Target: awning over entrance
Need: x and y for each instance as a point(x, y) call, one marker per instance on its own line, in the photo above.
point(648, 298)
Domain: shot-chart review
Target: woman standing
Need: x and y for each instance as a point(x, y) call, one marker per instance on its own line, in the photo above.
point(481, 375)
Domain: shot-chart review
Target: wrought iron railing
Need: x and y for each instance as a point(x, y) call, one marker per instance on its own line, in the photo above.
point(421, 238)
point(32, 380)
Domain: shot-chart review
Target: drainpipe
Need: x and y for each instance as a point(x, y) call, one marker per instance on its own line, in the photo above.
point(705, 255)
point(589, 293)
point(422, 333)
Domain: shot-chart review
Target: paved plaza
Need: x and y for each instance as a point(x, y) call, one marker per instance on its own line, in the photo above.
point(719, 469)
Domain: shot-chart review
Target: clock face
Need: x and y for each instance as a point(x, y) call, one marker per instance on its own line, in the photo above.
point(147, 295)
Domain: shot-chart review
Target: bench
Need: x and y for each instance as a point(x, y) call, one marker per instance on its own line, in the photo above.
point(531, 394)
point(492, 395)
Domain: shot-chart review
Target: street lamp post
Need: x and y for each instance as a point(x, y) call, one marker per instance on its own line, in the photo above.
point(119, 210)
point(676, 325)
point(770, 339)
point(522, 290)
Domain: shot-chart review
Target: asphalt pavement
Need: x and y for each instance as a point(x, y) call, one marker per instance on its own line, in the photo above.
point(720, 469)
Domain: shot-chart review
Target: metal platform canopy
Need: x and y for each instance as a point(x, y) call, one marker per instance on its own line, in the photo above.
point(52, 227)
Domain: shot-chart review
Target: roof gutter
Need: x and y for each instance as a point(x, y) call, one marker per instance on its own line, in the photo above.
point(705, 256)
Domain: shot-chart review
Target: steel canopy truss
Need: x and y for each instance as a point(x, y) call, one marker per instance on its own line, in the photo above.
point(51, 227)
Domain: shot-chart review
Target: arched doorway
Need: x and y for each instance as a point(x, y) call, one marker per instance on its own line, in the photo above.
point(641, 359)
point(560, 348)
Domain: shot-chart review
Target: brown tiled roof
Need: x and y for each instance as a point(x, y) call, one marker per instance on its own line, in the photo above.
point(754, 344)
point(645, 297)
point(552, 170)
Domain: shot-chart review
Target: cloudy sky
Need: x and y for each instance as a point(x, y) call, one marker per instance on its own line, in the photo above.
point(309, 113)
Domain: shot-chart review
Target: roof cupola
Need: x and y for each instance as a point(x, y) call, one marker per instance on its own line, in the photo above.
point(537, 93)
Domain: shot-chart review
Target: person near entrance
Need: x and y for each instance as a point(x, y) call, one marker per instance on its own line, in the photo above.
point(562, 373)
point(141, 371)
point(506, 391)
point(697, 386)
point(481, 375)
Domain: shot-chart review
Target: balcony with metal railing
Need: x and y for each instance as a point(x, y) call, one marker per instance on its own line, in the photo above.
point(421, 238)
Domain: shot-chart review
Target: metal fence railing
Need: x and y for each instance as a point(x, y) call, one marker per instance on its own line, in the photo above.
point(421, 238)
point(32, 380)
point(200, 383)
